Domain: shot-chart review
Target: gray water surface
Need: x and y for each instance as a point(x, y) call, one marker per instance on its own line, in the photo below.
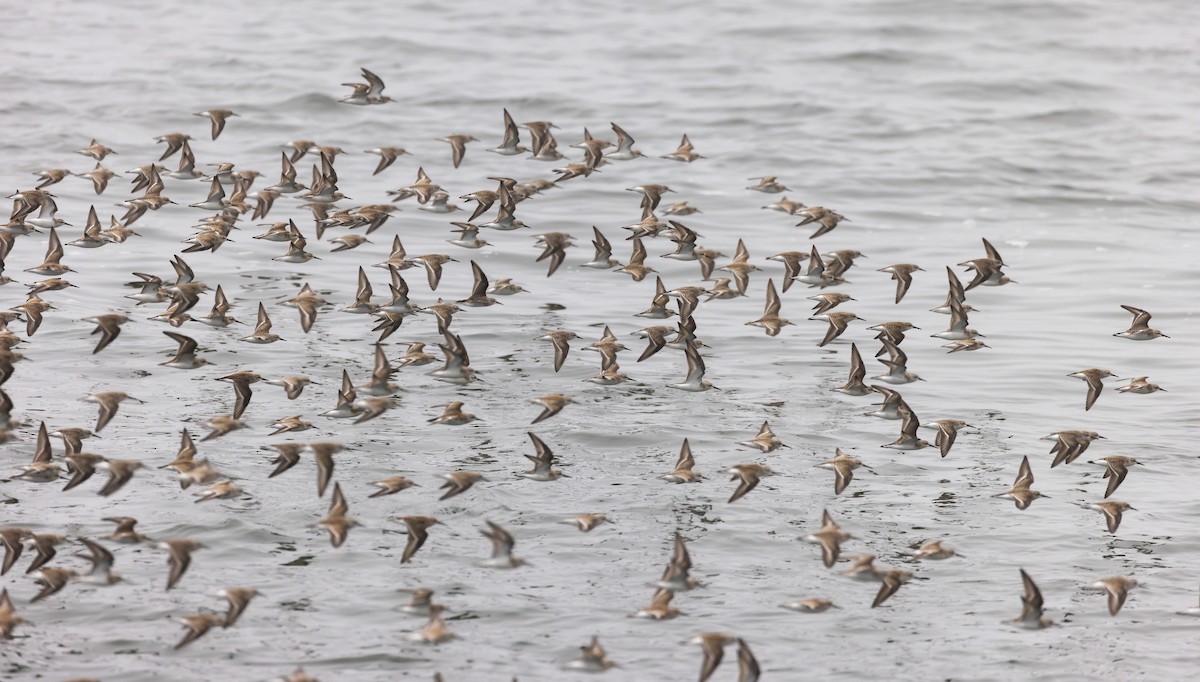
point(1064, 132)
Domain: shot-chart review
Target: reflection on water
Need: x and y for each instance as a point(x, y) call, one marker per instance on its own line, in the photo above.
point(1041, 127)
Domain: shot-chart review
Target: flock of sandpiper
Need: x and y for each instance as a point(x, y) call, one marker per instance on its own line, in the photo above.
point(230, 198)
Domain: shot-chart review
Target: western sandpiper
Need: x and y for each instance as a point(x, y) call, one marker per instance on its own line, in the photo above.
point(367, 93)
point(457, 368)
point(603, 259)
point(636, 267)
point(306, 302)
point(179, 557)
point(9, 620)
point(854, 383)
point(458, 146)
point(52, 580)
point(830, 536)
point(891, 581)
point(545, 148)
point(625, 142)
point(221, 490)
point(125, 532)
point(505, 287)
point(1117, 588)
point(93, 237)
point(792, 260)
point(239, 598)
point(651, 194)
point(685, 153)
point(676, 575)
point(222, 425)
point(502, 546)
point(510, 145)
point(1140, 329)
point(217, 317)
point(52, 176)
point(561, 342)
point(721, 290)
point(586, 522)
point(681, 208)
point(419, 603)
point(897, 365)
point(908, 440)
point(336, 522)
point(42, 468)
point(1093, 377)
point(843, 466)
point(293, 385)
point(660, 607)
point(892, 331)
point(479, 297)
point(683, 472)
point(391, 485)
point(287, 455)
point(658, 309)
point(552, 404)
point(828, 219)
point(1069, 445)
point(764, 441)
point(987, 273)
point(748, 667)
point(592, 658)
point(241, 381)
point(607, 347)
point(694, 381)
point(543, 462)
point(185, 354)
point(947, 432)
point(1112, 511)
point(810, 605)
point(468, 237)
point(218, 118)
point(863, 569)
point(418, 532)
point(741, 267)
point(81, 465)
point(956, 293)
point(934, 550)
point(197, 626)
point(387, 156)
point(45, 545)
point(99, 177)
point(713, 645)
point(838, 323)
point(290, 425)
point(1020, 492)
point(1140, 385)
point(649, 225)
point(323, 452)
point(965, 345)
point(52, 262)
point(749, 476)
point(902, 273)
point(1116, 469)
point(770, 320)
point(13, 541)
point(119, 473)
point(458, 482)
point(95, 150)
point(453, 415)
point(415, 356)
point(768, 184)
